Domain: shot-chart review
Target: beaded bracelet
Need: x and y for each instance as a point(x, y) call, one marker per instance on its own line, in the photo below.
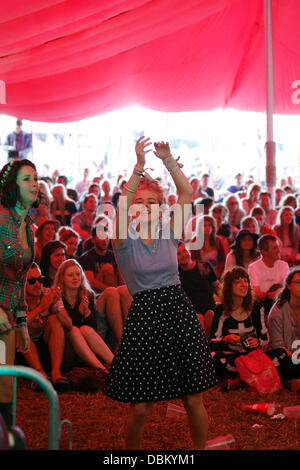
point(176, 167)
point(129, 189)
point(20, 325)
point(137, 171)
point(21, 314)
point(21, 321)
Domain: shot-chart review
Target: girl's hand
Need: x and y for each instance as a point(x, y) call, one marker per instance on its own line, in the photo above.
point(56, 293)
point(22, 339)
point(141, 148)
point(252, 342)
point(232, 339)
point(5, 325)
point(162, 150)
point(84, 306)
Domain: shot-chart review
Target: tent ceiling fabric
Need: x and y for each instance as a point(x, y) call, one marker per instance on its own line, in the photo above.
point(73, 59)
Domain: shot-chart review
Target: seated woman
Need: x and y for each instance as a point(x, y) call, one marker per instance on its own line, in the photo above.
point(288, 232)
point(250, 223)
point(259, 214)
point(223, 228)
point(78, 316)
point(212, 249)
point(252, 198)
point(297, 211)
point(45, 197)
point(289, 200)
point(235, 212)
point(284, 326)
point(71, 239)
point(236, 319)
point(62, 207)
point(45, 232)
point(243, 250)
point(53, 254)
point(47, 339)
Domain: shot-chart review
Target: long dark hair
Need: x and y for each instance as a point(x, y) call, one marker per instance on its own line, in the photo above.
point(292, 225)
point(285, 294)
point(226, 290)
point(47, 251)
point(9, 189)
point(238, 252)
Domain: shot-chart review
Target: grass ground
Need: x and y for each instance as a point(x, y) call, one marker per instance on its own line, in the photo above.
point(98, 422)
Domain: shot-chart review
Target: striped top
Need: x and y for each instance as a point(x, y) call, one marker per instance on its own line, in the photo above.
point(223, 325)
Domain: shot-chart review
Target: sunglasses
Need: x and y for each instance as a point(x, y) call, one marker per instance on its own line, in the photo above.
point(33, 280)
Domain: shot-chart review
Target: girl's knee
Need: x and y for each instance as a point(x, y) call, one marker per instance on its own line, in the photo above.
point(85, 329)
point(192, 401)
point(73, 332)
point(112, 292)
point(53, 324)
point(141, 410)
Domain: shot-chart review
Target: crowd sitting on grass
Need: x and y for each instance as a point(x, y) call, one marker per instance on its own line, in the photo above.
point(247, 262)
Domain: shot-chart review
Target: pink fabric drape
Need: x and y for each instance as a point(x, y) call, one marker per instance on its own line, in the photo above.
point(69, 60)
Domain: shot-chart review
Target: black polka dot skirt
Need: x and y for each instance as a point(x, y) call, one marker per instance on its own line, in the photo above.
point(163, 353)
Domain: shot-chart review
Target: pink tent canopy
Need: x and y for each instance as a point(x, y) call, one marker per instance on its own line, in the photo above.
point(65, 60)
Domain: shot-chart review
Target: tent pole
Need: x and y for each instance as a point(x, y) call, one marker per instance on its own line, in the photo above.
point(270, 144)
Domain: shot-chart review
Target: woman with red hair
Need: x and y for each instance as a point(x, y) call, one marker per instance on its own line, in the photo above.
point(163, 353)
point(238, 326)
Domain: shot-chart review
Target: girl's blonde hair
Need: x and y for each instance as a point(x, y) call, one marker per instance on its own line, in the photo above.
point(84, 288)
point(60, 197)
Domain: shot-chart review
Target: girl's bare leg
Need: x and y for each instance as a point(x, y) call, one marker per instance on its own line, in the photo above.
point(82, 349)
point(198, 419)
point(135, 424)
point(96, 344)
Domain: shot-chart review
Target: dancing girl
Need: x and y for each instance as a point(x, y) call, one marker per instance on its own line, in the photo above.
point(163, 353)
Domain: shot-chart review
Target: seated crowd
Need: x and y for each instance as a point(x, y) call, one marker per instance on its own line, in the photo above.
point(242, 280)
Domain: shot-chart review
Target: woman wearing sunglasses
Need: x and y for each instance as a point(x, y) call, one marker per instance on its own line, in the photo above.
point(18, 193)
point(47, 338)
point(235, 212)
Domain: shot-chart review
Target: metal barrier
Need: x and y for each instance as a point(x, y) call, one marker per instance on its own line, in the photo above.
point(55, 426)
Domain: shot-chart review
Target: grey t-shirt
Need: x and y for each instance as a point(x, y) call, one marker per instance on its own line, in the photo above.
point(148, 266)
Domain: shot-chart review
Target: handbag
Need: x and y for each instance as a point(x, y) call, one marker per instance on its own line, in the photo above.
point(257, 370)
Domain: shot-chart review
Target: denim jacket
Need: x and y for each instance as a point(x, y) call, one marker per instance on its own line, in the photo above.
point(13, 273)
